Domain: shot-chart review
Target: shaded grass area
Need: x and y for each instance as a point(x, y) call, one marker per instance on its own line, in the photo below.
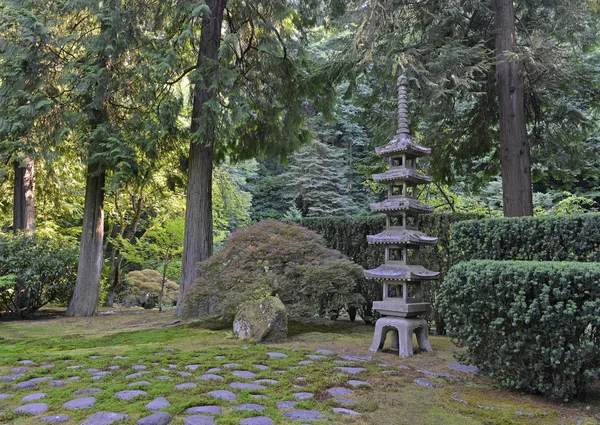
point(146, 338)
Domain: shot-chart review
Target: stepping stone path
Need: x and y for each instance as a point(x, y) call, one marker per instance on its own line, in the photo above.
point(243, 374)
point(343, 411)
point(353, 383)
point(3, 396)
point(344, 401)
point(303, 415)
point(250, 407)
point(357, 358)
point(315, 357)
point(231, 365)
point(87, 391)
point(104, 418)
point(261, 367)
point(338, 391)
point(158, 403)
point(55, 419)
point(199, 420)
point(303, 396)
point(244, 386)
point(33, 397)
point(214, 370)
point(326, 352)
point(129, 394)
point(210, 376)
point(424, 382)
point(286, 404)
point(266, 381)
point(185, 386)
point(351, 370)
point(210, 410)
point(192, 367)
point(258, 420)
point(133, 384)
point(26, 362)
point(32, 409)
point(464, 368)
point(436, 374)
point(163, 378)
point(162, 418)
point(276, 355)
point(57, 383)
point(222, 395)
point(81, 403)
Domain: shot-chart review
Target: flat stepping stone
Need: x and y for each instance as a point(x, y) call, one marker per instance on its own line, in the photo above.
point(41, 379)
point(303, 396)
point(33, 397)
point(81, 403)
point(219, 357)
point(192, 367)
point(55, 419)
point(303, 415)
point(244, 386)
point(276, 354)
point(357, 358)
point(134, 375)
point(214, 370)
point(286, 404)
point(199, 420)
point(424, 382)
point(350, 370)
point(172, 366)
point(338, 391)
point(231, 365)
point(87, 391)
point(459, 367)
point(163, 378)
point(32, 409)
point(95, 357)
point(325, 352)
point(26, 362)
point(24, 385)
point(5, 396)
point(261, 366)
point(74, 378)
point(75, 367)
point(47, 366)
point(133, 384)
point(161, 418)
point(139, 367)
point(354, 383)
point(185, 386)
point(305, 362)
point(343, 411)
point(120, 357)
point(403, 366)
point(243, 374)
point(316, 357)
point(436, 374)
point(258, 396)
point(210, 376)
point(184, 374)
point(101, 373)
point(257, 420)
point(222, 395)
point(57, 383)
point(210, 410)
point(104, 418)
point(250, 407)
point(114, 367)
point(266, 381)
point(158, 403)
point(18, 370)
point(129, 394)
point(8, 378)
point(344, 401)
point(92, 370)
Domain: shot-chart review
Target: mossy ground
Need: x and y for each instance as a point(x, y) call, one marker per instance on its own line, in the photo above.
point(146, 338)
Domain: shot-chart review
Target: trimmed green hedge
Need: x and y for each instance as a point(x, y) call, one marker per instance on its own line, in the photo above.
point(546, 238)
point(349, 236)
point(534, 326)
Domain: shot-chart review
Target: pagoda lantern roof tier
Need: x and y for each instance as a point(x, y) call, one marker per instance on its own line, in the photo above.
point(402, 174)
point(401, 236)
point(400, 272)
point(402, 144)
point(402, 204)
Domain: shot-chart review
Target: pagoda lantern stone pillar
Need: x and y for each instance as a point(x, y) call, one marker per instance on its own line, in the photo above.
point(401, 274)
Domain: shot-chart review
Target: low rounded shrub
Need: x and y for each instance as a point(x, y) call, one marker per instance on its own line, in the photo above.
point(532, 325)
point(34, 271)
point(273, 258)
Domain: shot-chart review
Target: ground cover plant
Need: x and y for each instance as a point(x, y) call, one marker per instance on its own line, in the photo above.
point(133, 340)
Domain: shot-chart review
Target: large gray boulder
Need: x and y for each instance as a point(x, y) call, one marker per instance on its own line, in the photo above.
point(264, 320)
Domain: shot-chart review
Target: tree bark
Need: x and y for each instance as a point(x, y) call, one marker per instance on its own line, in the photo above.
point(89, 271)
point(198, 232)
point(24, 196)
point(515, 155)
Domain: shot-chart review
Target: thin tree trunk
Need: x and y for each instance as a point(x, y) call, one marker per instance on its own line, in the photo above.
point(198, 232)
point(162, 284)
point(515, 155)
point(24, 196)
point(89, 271)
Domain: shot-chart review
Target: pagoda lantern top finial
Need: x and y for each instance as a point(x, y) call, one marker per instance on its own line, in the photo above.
point(402, 105)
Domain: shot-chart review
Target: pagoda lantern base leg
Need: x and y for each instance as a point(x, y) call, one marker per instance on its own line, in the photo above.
point(403, 330)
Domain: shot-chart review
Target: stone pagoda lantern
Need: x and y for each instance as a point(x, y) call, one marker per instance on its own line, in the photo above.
point(401, 274)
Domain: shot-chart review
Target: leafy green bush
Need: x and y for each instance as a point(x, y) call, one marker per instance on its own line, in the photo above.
point(546, 238)
point(273, 258)
point(532, 325)
point(35, 270)
point(349, 236)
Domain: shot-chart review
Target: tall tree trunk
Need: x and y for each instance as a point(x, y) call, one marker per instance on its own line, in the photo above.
point(515, 155)
point(89, 271)
point(198, 232)
point(24, 196)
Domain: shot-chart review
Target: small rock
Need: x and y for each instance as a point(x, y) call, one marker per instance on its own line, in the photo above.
point(33, 397)
point(222, 395)
point(403, 366)
point(257, 420)
point(303, 415)
point(185, 386)
point(424, 382)
point(211, 410)
point(104, 418)
point(199, 420)
point(80, 403)
point(161, 418)
point(158, 403)
point(32, 409)
point(55, 419)
point(343, 411)
point(129, 394)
